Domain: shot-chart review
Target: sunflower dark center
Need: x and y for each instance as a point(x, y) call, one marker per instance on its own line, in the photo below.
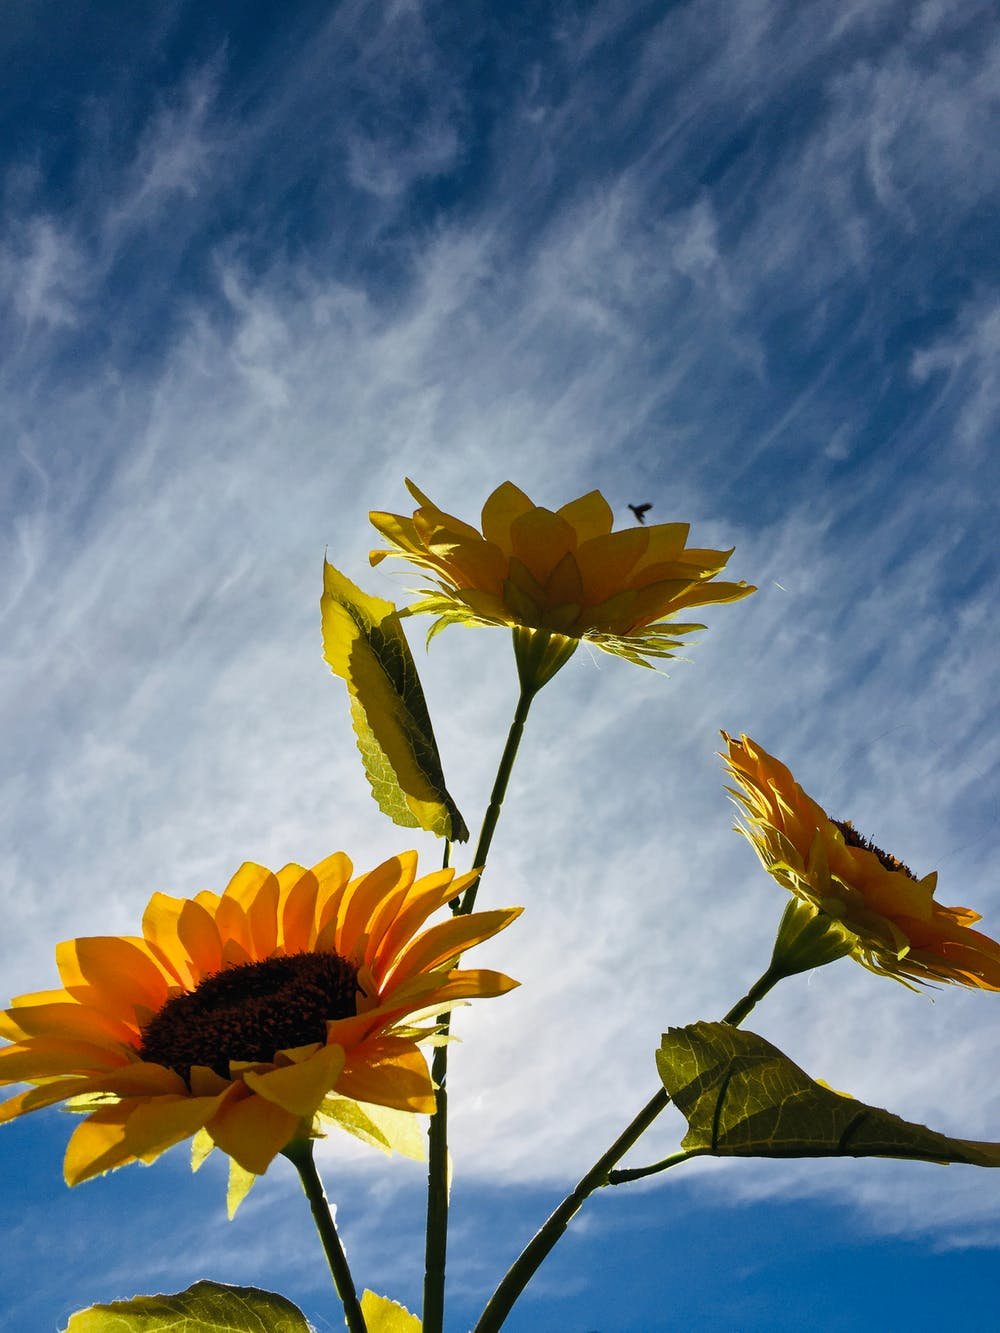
point(251, 1011)
point(855, 839)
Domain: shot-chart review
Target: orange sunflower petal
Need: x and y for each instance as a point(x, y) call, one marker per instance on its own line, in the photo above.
point(897, 927)
point(425, 897)
point(43, 1057)
point(389, 1072)
point(333, 876)
point(113, 1029)
point(65, 1020)
point(120, 971)
point(298, 911)
point(440, 944)
point(366, 895)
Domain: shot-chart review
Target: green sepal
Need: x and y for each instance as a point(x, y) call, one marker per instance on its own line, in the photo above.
point(539, 654)
point(364, 644)
point(207, 1307)
point(742, 1097)
point(808, 938)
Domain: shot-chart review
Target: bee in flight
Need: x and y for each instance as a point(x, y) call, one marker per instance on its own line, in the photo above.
point(640, 511)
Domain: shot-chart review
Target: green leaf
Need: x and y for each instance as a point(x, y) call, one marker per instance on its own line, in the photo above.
point(385, 1316)
point(381, 1126)
point(207, 1307)
point(364, 644)
point(743, 1098)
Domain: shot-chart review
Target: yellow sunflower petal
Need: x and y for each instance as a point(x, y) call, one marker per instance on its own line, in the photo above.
point(206, 1082)
point(506, 504)
point(36, 1099)
point(564, 586)
point(141, 1079)
point(396, 529)
point(540, 569)
point(255, 888)
point(435, 518)
point(705, 594)
point(605, 563)
point(589, 516)
point(664, 542)
point(262, 918)
point(117, 1028)
point(469, 984)
point(540, 539)
point(234, 930)
point(157, 1124)
point(478, 564)
point(98, 1144)
point(41, 997)
point(406, 904)
point(252, 1131)
point(160, 930)
point(300, 1088)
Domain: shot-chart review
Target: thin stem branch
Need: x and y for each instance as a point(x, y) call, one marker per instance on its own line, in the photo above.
point(300, 1153)
point(436, 1248)
point(535, 1252)
point(640, 1172)
point(530, 1259)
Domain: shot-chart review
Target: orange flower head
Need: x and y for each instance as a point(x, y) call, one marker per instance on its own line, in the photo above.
point(561, 573)
point(894, 925)
point(236, 1017)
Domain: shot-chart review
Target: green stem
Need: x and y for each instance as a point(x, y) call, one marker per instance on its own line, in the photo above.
point(524, 1267)
point(300, 1153)
point(756, 993)
point(497, 795)
point(640, 1172)
point(530, 1259)
point(436, 1251)
point(436, 1244)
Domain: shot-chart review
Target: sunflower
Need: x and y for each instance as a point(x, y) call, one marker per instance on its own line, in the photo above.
point(890, 918)
point(563, 574)
point(235, 1016)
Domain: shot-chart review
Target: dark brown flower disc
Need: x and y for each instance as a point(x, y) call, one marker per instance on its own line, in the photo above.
point(252, 1011)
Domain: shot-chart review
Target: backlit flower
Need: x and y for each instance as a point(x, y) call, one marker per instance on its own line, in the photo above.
point(235, 1016)
point(894, 925)
point(563, 573)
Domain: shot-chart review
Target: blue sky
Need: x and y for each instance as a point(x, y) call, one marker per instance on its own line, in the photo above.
point(736, 261)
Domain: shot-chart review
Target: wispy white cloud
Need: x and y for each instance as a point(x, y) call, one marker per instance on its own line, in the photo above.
point(602, 318)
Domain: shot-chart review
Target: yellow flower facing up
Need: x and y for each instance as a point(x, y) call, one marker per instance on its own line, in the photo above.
point(234, 1016)
point(562, 572)
point(892, 921)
